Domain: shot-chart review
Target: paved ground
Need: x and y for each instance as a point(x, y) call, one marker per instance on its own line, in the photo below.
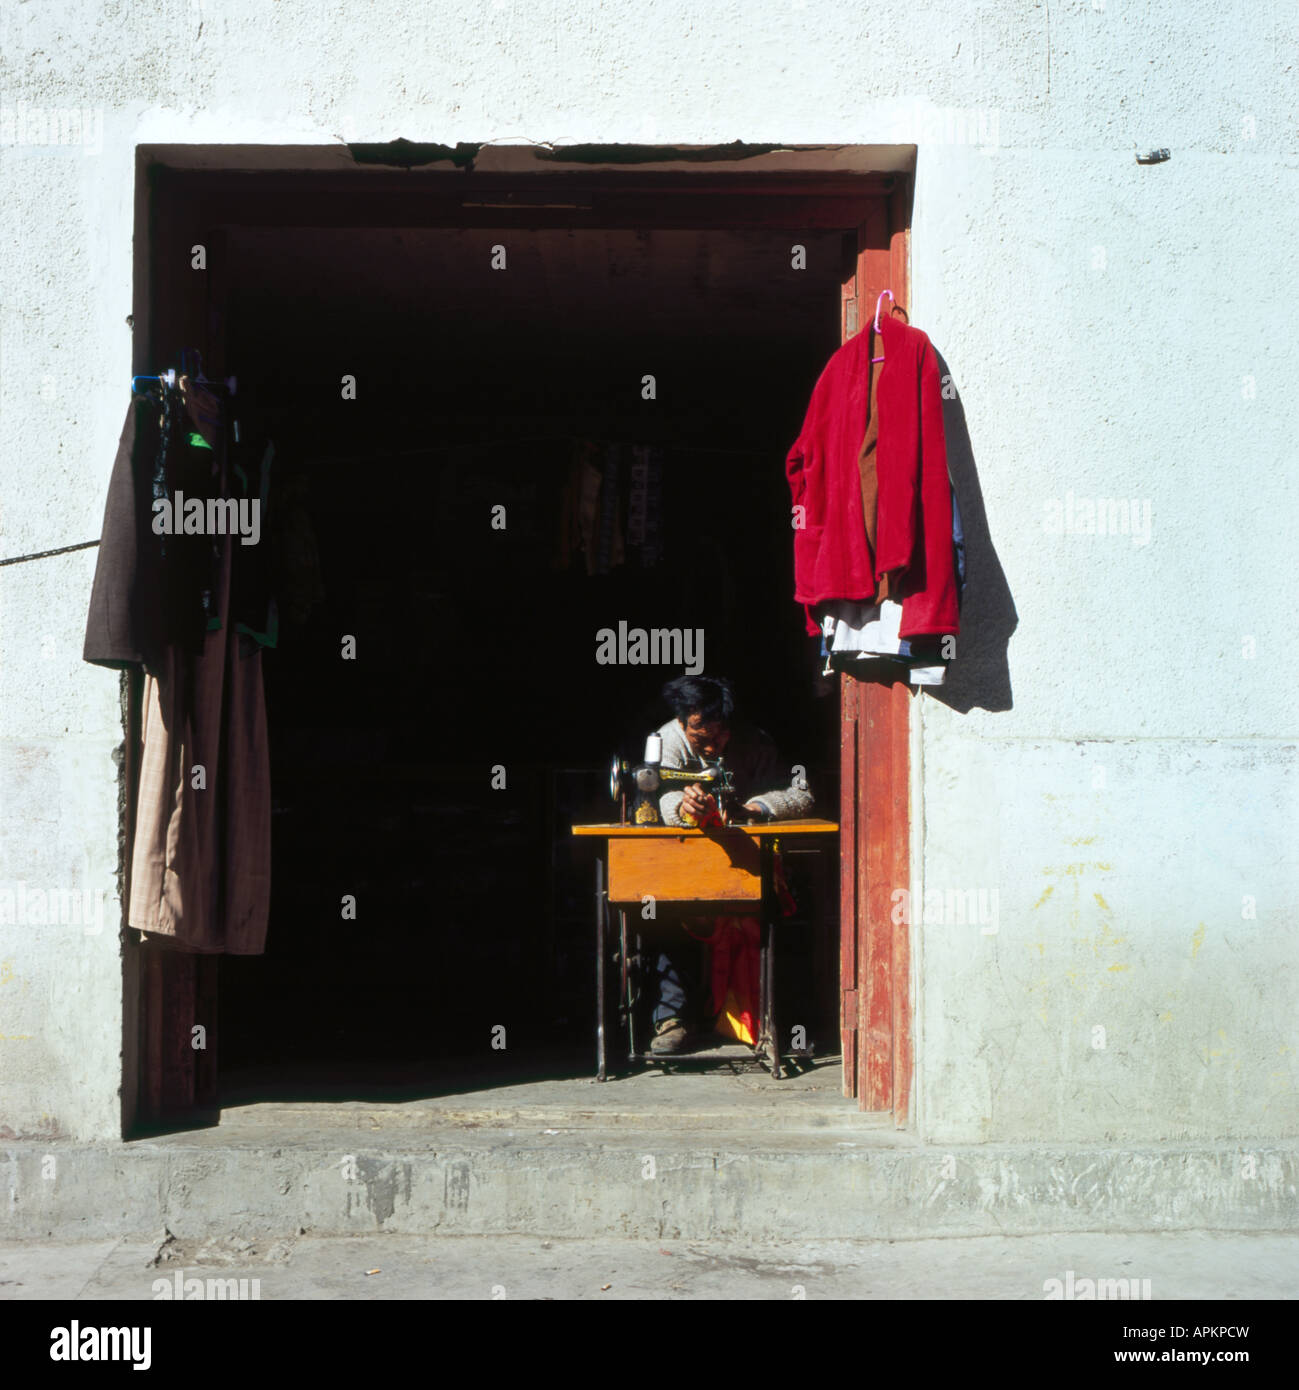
point(1195, 1265)
point(690, 1095)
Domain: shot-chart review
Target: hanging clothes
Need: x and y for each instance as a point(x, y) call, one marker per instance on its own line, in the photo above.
point(909, 554)
point(578, 514)
point(868, 477)
point(152, 589)
point(856, 632)
point(609, 547)
point(168, 597)
point(645, 505)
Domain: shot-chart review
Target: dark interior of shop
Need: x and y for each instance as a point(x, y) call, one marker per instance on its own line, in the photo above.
point(475, 645)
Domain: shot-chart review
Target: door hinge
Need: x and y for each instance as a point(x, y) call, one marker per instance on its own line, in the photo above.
point(849, 317)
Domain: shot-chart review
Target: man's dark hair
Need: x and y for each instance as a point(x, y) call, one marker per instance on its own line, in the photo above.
point(711, 699)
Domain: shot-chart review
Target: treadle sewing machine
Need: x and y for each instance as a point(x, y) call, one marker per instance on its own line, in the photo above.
point(647, 781)
point(725, 867)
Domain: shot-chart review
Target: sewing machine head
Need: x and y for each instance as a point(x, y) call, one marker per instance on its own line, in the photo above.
point(646, 781)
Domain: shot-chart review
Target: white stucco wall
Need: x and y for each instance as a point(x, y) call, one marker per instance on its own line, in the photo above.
point(1122, 331)
point(1115, 331)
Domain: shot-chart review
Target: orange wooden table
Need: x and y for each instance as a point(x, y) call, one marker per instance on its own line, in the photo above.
point(718, 870)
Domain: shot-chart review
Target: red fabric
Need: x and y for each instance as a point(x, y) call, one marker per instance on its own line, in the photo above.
point(736, 965)
point(832, 556)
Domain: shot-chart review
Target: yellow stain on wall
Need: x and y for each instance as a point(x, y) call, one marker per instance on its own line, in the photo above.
point(1078, 917)
point(1107, 940)
point(1197, 940)
point(7, 976)
point(1165, 1017)
point(1107, 935)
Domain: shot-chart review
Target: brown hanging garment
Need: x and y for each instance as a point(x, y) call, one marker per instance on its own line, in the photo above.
point(866, 462)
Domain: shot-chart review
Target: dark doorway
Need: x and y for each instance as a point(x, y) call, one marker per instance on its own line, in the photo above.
point(475, 644)
point(475, 647)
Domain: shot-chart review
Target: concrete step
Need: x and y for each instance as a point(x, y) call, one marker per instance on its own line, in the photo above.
point(712, 1155)
point(322, 1177)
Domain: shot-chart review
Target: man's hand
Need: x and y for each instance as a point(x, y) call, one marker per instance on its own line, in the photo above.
point(696, 804)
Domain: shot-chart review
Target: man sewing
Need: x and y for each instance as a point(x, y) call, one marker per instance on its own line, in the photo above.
point(704, 729)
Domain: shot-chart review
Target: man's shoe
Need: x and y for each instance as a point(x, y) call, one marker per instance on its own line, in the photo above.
point(669, 1036)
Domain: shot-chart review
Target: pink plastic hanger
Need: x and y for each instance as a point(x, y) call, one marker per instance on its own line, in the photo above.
point(878, 303)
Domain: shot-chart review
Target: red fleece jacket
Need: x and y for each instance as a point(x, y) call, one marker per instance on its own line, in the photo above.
point(832, 556)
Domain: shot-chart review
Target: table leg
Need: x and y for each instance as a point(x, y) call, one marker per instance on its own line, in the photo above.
point(768, 964)
point(633, 979)
point(600, 934)
point(774, 1015)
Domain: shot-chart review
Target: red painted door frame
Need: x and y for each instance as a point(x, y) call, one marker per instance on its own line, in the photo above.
point(166, 992)
point(874, 950)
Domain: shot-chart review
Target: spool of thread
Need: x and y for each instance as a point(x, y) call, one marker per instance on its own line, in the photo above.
point(654, 749)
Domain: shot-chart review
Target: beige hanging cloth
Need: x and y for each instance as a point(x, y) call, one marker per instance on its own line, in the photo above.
point(201, 851)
